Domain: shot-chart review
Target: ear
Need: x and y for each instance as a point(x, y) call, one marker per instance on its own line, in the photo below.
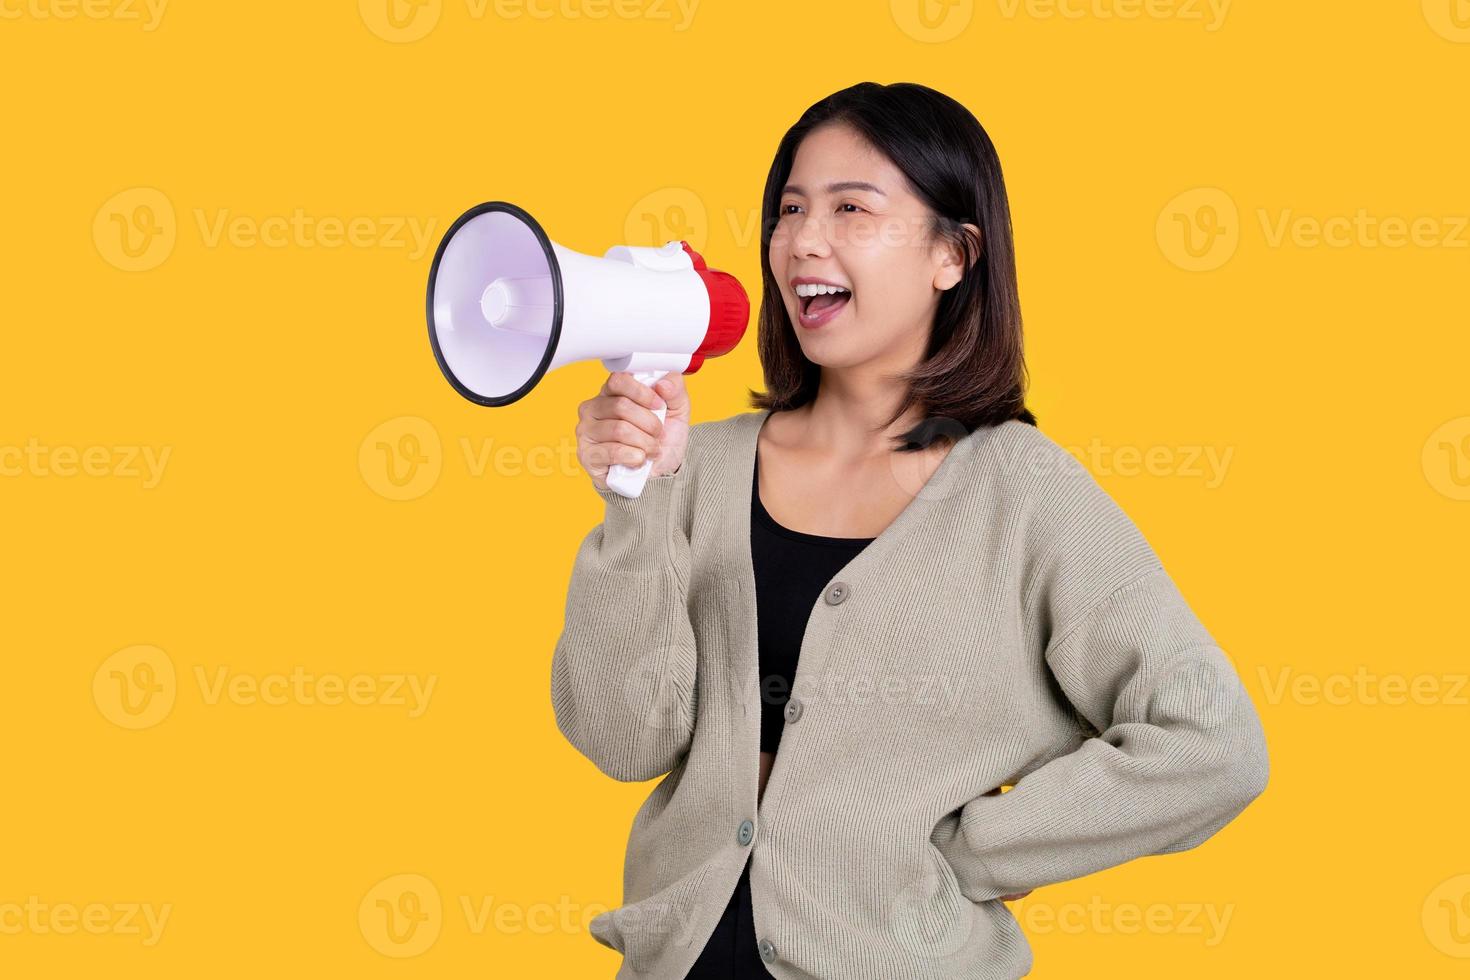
point(950, 265)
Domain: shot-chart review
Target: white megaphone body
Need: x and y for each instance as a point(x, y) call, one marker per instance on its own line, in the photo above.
point(506, 304)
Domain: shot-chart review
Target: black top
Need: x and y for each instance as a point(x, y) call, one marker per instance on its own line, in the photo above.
point(791, 570)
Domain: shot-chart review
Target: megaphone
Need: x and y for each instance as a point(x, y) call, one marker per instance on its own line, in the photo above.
point(507, 304)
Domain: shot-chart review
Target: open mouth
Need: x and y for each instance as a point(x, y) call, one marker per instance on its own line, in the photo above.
point(819, 303)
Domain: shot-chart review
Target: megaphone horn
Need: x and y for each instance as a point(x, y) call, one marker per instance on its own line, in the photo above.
point(506, 304)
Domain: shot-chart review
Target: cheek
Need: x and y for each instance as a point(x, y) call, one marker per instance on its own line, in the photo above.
point(874, 274)
point(892, 284)
point(779, 247)
point(779, 258)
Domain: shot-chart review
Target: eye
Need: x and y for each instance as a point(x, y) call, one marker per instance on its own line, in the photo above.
point(793, 208)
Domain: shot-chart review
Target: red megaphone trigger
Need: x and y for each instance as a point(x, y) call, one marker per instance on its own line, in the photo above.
point(729, 311)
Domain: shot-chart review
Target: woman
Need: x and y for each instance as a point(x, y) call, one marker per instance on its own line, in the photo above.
point(889, 573)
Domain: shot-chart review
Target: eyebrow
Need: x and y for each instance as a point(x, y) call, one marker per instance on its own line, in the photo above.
point(841, 185)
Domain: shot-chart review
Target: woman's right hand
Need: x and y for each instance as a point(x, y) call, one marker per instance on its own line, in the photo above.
point(618, 426)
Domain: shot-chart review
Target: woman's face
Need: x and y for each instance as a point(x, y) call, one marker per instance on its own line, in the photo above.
point(848, 218)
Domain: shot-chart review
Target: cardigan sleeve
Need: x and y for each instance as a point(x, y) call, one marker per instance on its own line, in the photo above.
point(1176, 750)
point(623, 671)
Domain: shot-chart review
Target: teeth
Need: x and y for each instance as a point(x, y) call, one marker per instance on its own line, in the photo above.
point(818, 289)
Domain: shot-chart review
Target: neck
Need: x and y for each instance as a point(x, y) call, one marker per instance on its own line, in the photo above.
point(849, 407)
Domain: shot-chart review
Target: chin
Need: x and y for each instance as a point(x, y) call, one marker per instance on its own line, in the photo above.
point(831, 353)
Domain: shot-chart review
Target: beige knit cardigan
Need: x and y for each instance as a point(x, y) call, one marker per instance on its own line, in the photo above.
point(1011, 626)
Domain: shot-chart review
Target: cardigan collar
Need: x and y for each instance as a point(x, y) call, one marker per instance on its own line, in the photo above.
point(947, 480)
point(943, 483)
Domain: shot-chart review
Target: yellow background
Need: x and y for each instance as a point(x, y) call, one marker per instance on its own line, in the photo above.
point(1332, 375)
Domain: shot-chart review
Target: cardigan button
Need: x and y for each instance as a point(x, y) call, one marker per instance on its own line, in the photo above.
point(836, 593)
point(768, 950)
point(746, 832)
point(793, 709)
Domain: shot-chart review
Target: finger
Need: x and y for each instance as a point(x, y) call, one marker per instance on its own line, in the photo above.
point(623, 406)
point(599, 457)
point(615, 408)
point(606, 455)
point(623, 433)
point(671, 387)
point(623, 383)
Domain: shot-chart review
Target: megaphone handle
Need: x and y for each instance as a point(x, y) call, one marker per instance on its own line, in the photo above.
point(629, 480)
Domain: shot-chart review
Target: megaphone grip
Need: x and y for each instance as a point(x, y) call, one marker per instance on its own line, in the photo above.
point(628, 481)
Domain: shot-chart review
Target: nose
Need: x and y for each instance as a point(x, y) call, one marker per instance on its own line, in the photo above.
point(810, 237)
